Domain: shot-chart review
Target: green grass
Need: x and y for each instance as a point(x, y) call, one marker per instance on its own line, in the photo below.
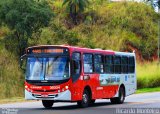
point(148, 75)
point(11, 100)
point(146, 90)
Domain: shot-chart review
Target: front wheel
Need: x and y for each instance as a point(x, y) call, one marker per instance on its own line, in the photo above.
point(85, 100)
point(47, 103)
point(121, 97)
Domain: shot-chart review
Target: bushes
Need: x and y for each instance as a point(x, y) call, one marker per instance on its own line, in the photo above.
point(24, 18)
point(105, 25)
point(11, 79)
point(148, 75)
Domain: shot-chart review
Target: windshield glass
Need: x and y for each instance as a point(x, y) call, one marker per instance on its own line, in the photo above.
point(54, 68)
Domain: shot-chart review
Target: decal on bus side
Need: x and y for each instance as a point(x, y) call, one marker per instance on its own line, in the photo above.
point(108, 79)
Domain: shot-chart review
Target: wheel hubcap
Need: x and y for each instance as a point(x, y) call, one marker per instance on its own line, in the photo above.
point(122, 96)
point(85, 99)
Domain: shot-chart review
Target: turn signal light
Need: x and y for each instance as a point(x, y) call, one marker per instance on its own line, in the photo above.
point(86, 77)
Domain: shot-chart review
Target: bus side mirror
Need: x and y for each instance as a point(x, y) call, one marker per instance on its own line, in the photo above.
point(22, 63)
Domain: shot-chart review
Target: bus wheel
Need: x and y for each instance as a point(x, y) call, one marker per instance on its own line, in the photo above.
point(120, 99)
point(85, 100)
point(47, 103)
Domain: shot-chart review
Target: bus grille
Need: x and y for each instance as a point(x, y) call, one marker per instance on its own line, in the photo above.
point(47, 96)
point(45, 90)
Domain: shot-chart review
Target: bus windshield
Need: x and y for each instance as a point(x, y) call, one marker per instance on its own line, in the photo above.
point(53, 68)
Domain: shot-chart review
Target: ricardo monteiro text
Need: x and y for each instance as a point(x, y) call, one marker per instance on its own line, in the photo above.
point(138, 111)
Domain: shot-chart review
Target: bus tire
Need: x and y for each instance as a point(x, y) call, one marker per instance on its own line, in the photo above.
point(47, 103)
point(85, 100)
point(121, 97)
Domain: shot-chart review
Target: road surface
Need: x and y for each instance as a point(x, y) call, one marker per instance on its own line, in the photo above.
point(147, 103)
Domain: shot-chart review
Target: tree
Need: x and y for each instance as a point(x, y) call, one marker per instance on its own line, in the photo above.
point(23, 18)
point(74, 7)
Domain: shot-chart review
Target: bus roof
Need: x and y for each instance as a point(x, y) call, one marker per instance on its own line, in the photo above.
point(87, 50)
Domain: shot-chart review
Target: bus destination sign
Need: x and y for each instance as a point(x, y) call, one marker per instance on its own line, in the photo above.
point(47, 51)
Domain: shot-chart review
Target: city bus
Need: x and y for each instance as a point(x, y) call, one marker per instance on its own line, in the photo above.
point(61, 73)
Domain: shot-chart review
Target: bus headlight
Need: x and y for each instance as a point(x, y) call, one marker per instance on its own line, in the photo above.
point(66, 87)
point(26, 86)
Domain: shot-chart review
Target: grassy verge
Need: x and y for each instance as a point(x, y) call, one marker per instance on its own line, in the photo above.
point(146, 90)
point(148, 75)
point(12, 100)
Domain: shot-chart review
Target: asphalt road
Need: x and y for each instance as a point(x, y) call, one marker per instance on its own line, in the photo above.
point(148, 103)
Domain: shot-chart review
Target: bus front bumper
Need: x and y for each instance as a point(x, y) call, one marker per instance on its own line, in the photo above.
point(64, 96)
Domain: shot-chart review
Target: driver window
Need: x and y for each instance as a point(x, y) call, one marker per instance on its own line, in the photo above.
point(76, 66)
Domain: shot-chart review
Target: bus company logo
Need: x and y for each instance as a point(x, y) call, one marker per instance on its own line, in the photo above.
point(36, 87)
point(99, 88)
point(54, 87)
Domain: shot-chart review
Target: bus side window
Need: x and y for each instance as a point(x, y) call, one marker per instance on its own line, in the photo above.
point(98, 63)
point(109, 67)
point(88, 63)
point(131, 65)
point(117, 64)
point(124, 64)
point(76, 66)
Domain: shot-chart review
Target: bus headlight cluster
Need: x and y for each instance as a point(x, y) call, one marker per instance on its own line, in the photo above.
point(66, 87)
point(26, 86)
point(28, 89)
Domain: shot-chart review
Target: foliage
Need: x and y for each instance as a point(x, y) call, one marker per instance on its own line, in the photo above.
point(23, 18)
point(125, 26)
point(56, 34)
point(148, 90)
point(11, 79)
point(74, 7)
point(148, 75)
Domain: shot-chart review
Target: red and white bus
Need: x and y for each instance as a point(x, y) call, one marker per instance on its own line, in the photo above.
point(59, 73)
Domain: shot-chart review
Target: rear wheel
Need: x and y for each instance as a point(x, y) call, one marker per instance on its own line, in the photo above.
point(85, 100)
point(121, 97)
point(47, 103)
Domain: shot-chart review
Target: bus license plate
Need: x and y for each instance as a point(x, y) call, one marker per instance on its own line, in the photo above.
point(44, 95)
